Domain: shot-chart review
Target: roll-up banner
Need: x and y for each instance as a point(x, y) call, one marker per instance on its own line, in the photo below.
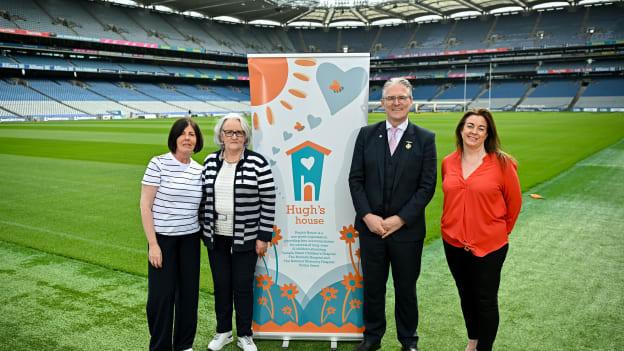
point(306, 112)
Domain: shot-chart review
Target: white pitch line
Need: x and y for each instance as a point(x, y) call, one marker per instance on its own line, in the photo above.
point(71, 236)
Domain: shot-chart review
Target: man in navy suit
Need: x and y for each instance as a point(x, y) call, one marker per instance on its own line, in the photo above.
point(392, 179)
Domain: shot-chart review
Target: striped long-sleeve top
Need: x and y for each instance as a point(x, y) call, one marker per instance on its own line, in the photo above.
point(254, 200)
point(176, 205)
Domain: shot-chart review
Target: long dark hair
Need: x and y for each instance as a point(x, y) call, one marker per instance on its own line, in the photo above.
point(492, 142)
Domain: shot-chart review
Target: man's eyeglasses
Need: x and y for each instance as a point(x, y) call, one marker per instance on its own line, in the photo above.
point(231, 133)
point(400, 98)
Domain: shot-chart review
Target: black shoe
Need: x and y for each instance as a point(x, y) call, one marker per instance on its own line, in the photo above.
point(412, 347)
point(367, 346)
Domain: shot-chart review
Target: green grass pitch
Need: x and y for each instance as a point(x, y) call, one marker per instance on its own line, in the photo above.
point(70, 232)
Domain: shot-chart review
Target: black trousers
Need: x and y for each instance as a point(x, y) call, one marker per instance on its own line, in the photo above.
point(173, 293)
point(477, 280)
point(233, 278)
point(378, 255)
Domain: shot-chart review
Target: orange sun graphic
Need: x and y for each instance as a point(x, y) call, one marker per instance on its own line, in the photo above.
point(267, 80)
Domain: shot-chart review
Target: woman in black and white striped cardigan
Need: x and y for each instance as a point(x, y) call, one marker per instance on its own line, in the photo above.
point(238, 213)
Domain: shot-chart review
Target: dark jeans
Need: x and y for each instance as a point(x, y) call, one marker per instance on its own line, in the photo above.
point(477, 280)
point(233, 277)
point(378, 255)
point(173, 293)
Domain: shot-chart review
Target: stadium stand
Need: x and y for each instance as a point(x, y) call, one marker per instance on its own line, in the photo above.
point(168, 64)
point(555, 94)
point(504, 95)
point(18, 98)
point(94, 20)
point(603, 93)
point(465, 33)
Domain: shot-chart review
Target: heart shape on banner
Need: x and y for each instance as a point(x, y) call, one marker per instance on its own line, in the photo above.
point(308, 163)
point(286, 135)
point(339, 88)
point(314, 121)
point(275, 150)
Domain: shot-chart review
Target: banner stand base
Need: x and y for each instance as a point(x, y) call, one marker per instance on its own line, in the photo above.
point(333, 344)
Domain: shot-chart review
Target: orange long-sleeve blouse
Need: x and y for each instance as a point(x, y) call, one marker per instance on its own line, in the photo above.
point(479, 212)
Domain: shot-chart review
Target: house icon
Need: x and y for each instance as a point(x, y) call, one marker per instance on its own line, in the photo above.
point(307, 170)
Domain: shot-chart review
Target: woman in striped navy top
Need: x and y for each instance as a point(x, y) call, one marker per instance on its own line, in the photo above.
point(239, 197)
point(170, 198)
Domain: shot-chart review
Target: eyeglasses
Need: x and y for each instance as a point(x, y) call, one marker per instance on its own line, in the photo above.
point(231, 133)
point(400, 98)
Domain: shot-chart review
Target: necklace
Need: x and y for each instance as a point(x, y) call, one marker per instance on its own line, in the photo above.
point(235, 161)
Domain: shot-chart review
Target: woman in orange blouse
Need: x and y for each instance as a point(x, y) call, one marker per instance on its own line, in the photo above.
point(482, 200)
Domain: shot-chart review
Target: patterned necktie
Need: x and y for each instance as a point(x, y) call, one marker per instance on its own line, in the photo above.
point(393, 141)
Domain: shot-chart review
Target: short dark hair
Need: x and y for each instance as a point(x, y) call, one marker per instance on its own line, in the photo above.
point(178, 128)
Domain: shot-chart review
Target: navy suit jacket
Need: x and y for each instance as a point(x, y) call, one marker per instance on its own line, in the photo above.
point(414, 184)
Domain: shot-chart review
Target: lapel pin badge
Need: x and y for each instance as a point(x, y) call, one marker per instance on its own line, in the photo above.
point(408, 145)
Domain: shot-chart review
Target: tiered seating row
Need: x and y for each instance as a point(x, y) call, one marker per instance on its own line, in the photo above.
point(107, 21)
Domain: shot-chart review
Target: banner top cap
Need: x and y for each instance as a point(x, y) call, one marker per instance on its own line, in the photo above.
point(350, 54)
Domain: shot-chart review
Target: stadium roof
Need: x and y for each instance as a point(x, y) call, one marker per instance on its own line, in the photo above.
point(326, 13)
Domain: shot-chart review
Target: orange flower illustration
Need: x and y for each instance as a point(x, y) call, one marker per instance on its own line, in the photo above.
point(355, 304)
point(264, 281)
point(348, 234)
point(331, 310)
point(299, 127)
point(335, 86)
point(289, 290)
point(276, 237)
point(329, 293)
point(352, 282)
point(287, 310)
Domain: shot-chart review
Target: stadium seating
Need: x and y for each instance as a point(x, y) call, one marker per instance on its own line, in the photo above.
point(466, 33)
point(19, 99)
point(603, 93)
point(581, 83)
point(97, 20)
point(557, 94)
point(118, 22)
point(41, 60)
point(512, 31)
point(503, 95)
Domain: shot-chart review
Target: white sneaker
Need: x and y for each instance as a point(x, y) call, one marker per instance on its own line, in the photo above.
point(246, 343)
point(220, 340)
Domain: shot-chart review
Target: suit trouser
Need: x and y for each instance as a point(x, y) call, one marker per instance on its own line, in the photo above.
point(378, 255)
point(173, 293)
point(233, 277)
point(477, 280)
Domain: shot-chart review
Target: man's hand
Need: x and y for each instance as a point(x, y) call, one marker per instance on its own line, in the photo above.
point(391, 225)
point(374, 224)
